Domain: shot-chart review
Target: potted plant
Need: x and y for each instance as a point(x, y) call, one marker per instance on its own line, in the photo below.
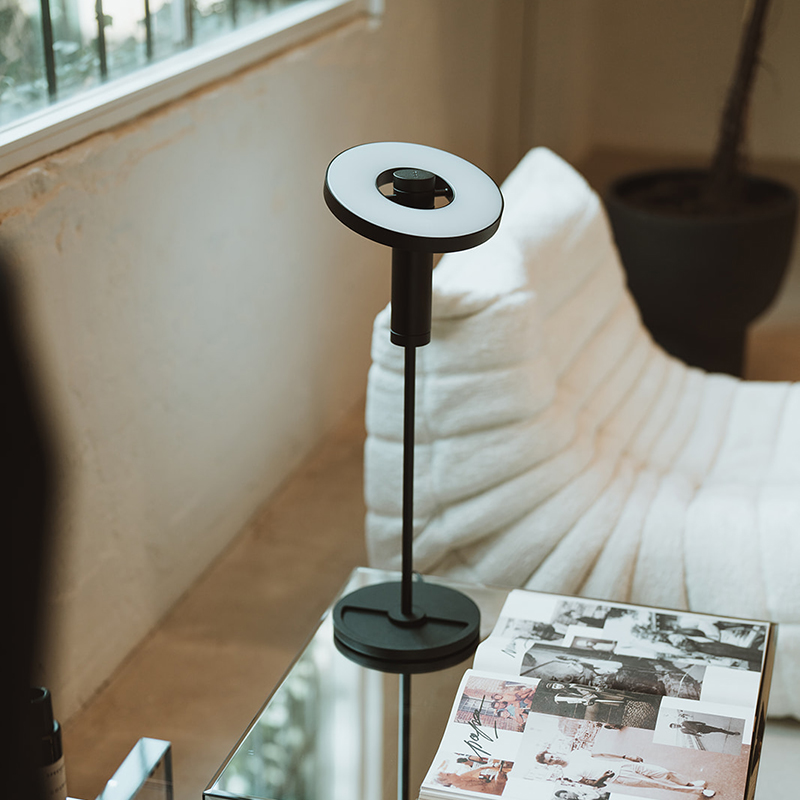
point(705, 251)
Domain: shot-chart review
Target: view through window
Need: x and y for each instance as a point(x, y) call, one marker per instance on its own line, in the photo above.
point(51, 50)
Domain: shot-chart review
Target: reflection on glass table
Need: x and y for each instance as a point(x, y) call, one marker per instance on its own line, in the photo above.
point(330, 729)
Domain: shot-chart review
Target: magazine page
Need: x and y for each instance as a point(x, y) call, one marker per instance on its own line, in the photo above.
point(483, 737)
point(631, 648)
point(544, 740)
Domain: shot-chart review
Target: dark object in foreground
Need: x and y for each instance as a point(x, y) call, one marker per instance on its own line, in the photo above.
point(29, 484)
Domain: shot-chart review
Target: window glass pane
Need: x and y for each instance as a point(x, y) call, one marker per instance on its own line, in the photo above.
point(212, 18)
point(23, 81)
point(250, 10)
point(125, 36)
point(94, 41)
point(167, 27)
point(74, 46)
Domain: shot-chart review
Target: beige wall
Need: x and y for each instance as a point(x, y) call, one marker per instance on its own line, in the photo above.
point(200, 316)
point(651, 75)
point(556, 76)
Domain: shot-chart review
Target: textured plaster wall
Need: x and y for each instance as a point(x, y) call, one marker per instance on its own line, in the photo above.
point(200, 317)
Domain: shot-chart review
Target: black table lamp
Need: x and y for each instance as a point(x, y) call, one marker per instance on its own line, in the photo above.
point(419, 201)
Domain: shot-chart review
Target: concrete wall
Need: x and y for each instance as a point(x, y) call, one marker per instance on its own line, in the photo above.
point(200, 317)
point(652, 76)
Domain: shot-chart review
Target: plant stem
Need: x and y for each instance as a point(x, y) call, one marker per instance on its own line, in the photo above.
point(723, 180)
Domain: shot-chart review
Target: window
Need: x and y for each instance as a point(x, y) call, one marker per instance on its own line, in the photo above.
point(70, 68)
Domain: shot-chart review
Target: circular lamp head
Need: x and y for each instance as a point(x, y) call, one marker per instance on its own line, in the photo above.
point(352, 192)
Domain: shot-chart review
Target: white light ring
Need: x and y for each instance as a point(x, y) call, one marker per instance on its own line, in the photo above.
point(352, 194)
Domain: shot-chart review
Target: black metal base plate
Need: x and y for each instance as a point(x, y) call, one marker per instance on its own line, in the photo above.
point(370, 629)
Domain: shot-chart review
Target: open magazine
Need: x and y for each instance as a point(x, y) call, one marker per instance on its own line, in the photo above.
point(574, 699)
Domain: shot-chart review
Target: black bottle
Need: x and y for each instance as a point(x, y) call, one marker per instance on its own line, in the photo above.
point(51, 753)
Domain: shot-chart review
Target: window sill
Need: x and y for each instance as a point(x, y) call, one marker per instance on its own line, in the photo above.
point(123, 99)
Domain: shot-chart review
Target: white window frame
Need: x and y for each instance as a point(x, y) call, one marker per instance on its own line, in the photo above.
point(122, 99)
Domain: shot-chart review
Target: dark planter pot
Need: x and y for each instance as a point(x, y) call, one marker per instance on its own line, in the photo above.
point(700, 281)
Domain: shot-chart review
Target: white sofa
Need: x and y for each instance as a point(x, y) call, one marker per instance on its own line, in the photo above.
point(559, 448)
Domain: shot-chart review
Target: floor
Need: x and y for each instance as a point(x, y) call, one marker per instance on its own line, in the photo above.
point(200, 677)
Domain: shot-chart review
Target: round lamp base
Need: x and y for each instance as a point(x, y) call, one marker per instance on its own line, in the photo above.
point(370, 628)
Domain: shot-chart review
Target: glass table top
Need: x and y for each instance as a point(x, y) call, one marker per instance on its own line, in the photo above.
point(330, 729)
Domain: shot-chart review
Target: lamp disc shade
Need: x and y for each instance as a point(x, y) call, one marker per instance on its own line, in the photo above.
point(352, 193)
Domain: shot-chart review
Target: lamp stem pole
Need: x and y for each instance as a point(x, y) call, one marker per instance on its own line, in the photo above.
point(406, 606)
point(410, 328)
